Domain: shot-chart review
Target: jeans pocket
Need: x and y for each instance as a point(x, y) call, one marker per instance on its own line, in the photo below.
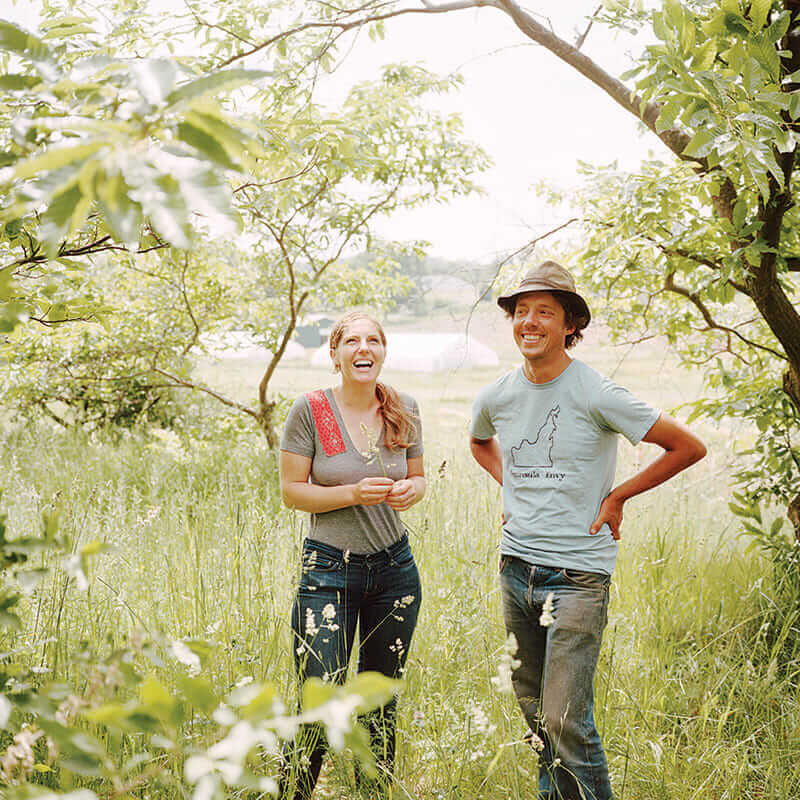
point(317, 561)
point(404, 559)
point(589, 580)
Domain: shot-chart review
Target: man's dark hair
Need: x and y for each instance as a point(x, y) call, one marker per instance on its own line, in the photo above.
point(573, 315)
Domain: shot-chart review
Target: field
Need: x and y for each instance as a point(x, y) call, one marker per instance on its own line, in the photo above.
point(697, 697)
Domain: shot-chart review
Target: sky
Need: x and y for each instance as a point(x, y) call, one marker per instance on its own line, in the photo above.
point(536, 117)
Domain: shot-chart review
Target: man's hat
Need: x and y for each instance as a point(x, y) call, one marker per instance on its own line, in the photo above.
point(547, 277)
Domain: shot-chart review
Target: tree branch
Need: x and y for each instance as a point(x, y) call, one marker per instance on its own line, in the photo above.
point(346, 25)
point(182, 383)
point(196, 334)
point(697, 301)
point(582, 38)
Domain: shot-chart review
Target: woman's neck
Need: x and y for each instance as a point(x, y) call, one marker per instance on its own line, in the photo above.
point(358, 396)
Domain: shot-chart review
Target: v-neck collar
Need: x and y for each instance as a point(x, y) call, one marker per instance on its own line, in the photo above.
point(329, 393)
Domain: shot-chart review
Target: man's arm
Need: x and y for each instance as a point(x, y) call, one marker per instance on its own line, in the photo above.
point(681, 449)
point(487, 453)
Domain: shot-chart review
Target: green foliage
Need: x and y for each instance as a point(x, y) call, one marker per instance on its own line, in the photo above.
point(129, 722)
point(697, 683)
point(703, 251)
point(114, 152)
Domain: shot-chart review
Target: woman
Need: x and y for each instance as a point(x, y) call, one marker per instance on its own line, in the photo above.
point(360, 444)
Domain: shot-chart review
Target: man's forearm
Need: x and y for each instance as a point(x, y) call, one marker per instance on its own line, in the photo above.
point(487, 453)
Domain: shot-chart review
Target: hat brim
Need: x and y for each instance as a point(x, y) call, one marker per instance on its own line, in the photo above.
point(508, 301)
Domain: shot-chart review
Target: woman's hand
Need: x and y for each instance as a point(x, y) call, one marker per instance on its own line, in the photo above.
point(403, 495)
point(371, 491)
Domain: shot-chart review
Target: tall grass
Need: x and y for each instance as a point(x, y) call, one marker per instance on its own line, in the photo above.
point(693, 699)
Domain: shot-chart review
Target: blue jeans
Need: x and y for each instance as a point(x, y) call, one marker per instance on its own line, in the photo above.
point(553, 683)
point(380, 593)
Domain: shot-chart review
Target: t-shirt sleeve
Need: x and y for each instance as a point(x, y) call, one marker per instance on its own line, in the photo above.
point(299, 431)
point(481, 426)
point(614, 408)
point(416, 449)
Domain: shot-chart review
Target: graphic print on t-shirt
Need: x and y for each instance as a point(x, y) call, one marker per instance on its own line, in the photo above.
point(539, 452)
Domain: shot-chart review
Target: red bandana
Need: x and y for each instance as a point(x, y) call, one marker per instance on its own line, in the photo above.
point(327, 427)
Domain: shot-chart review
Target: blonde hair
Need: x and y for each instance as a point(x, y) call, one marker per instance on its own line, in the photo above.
point(397, 419)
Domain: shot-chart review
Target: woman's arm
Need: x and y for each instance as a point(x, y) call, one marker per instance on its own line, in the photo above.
point(410, 489)
point(298, 493)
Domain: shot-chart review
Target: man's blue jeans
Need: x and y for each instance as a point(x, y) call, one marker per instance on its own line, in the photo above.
point(379, 593)
point(553, 683)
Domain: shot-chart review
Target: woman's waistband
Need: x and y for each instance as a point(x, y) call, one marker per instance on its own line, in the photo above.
point(386, 554)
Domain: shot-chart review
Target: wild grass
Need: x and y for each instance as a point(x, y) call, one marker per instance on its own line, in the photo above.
point(693, 699)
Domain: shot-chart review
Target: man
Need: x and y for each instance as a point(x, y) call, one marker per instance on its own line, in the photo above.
point(548, 434)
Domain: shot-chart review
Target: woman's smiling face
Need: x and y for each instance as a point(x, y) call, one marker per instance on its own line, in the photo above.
point(361, 351)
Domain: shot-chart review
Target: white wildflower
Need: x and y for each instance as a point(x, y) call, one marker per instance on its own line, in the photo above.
point(534, 740)
point(404, 601)
point(5, 711)
point(223, 715)
point(329, 612)
point(183, 653)
point(398, 647)
point(506, 666)
point(480, 722)
point(546, 619)
point(311, 625)
point(18, 760)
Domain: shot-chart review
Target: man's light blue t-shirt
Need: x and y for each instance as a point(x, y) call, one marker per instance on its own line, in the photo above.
point(559, 444)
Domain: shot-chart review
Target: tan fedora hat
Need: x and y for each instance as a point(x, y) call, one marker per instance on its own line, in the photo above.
point(547, 277)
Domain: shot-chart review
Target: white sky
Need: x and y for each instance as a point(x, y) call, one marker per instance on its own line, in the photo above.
point(535, 116)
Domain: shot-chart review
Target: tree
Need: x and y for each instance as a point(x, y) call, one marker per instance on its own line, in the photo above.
point(113, 159)
point(705, 248)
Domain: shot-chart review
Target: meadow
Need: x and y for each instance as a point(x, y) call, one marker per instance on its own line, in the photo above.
point(697, 689)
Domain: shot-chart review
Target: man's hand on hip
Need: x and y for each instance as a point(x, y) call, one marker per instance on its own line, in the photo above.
point(611, 514)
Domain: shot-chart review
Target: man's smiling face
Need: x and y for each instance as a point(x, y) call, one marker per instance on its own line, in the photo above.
point(540, 328)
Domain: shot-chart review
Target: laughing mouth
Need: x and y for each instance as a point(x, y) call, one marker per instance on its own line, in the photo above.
point(362, 363)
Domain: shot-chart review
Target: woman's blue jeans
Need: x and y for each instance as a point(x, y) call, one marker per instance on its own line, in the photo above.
point(380, 594)
point(554, 682)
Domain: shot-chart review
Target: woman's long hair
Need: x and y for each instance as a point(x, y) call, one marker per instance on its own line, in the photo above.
point(399, 428)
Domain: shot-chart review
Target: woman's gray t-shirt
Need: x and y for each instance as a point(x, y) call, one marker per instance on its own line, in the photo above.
point(359, 529)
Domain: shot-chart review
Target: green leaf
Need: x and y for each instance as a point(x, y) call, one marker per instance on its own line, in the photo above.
point(374, 688)
point(778, 27)
point(673, 14)
point(155, 696)
point(18, 83)
point(759, 9)
point(262, 706)
point(767, 56)
point(666, 119)
point(199, 693)
point(705, 55)
point(700, 145)
point(55, 158)
point(17, 40)
point(794, 105)
point(206, 144)
point(315, 693)
point(121, 214)
point(214, 83)
point(57, 218)
point(737, 24)
point(740, 211)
